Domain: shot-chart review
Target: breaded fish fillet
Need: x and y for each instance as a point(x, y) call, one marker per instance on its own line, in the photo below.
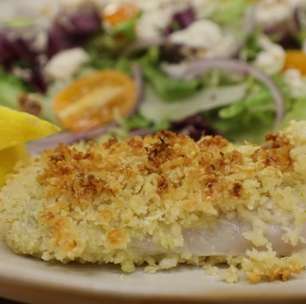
point(162, 200)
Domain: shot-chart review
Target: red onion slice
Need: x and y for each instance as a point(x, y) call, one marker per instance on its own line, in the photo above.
point(68, 138)
point(138, 78)
point(200, 67)
point(52, 141)
point(249, 26)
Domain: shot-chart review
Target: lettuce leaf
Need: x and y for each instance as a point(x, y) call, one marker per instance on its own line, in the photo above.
point(297, 112)
point(10, 89)
point(127, 29)
point(167, 88)
point(153, 108)
point(252, 117)
point(170, 89)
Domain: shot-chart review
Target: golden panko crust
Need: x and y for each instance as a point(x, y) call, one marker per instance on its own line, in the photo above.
point(89, 202)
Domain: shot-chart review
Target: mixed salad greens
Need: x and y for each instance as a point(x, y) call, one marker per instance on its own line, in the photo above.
point(230, 67)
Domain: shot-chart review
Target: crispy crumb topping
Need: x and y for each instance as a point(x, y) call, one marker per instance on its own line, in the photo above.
point(92, 201)
point(275, 152)
point(266, 266)
point(139, 176)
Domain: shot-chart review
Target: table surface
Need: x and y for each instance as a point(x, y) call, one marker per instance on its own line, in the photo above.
point(4, 301)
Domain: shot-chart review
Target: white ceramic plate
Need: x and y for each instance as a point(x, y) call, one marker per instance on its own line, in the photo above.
point(28, 280)
point(33, 281)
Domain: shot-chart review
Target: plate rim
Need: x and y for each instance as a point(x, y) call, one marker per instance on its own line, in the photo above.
point(230, 296)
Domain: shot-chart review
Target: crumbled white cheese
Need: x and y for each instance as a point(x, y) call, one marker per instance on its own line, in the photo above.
point(207, 35)
point(271, 12)
point(152, 23)
point(157, 15)
point(200, 34)
point(176, 71)
point(65, 64)
point(151, 5)
point(272, 58)
point(296, 82)
point(147, 6)
point(202, 8)
point(225, 49)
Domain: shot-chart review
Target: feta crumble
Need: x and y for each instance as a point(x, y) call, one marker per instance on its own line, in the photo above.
point(272, 58)
point(156, 16)
point(296, 82)
point(65, 64)
point(271, 12)
point(207, 35)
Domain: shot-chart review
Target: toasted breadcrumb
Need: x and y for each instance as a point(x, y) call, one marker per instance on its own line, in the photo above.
point(91, 202)
point(266, 266)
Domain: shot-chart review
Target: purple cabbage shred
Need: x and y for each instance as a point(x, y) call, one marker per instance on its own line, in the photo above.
point(7, 54)
point(67, 31)
point(287, 33)
point(181, 20)
point(172, 53)
point(73, 30)
point(194, 126)
point(37, 80)
point(17, 50)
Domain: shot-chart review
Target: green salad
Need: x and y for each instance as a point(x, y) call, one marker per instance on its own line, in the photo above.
point(235, 68)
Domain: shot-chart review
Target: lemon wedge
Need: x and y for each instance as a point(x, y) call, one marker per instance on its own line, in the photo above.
point(16, 129)
point(8, 159)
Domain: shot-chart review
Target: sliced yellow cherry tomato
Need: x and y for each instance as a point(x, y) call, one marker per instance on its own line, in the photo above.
point(296, 60)
point(17, 128)
point(95, 99)
point(114, 14)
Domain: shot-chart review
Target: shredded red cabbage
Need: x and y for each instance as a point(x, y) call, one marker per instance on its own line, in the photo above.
point(37, 79)
point(73, 29)
point(194, 126)
point(7, 54)
point(14, 48)
point(67, 31)
point(172, 53)
point(181, 20)
point(286, 33)
point(18, 50)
